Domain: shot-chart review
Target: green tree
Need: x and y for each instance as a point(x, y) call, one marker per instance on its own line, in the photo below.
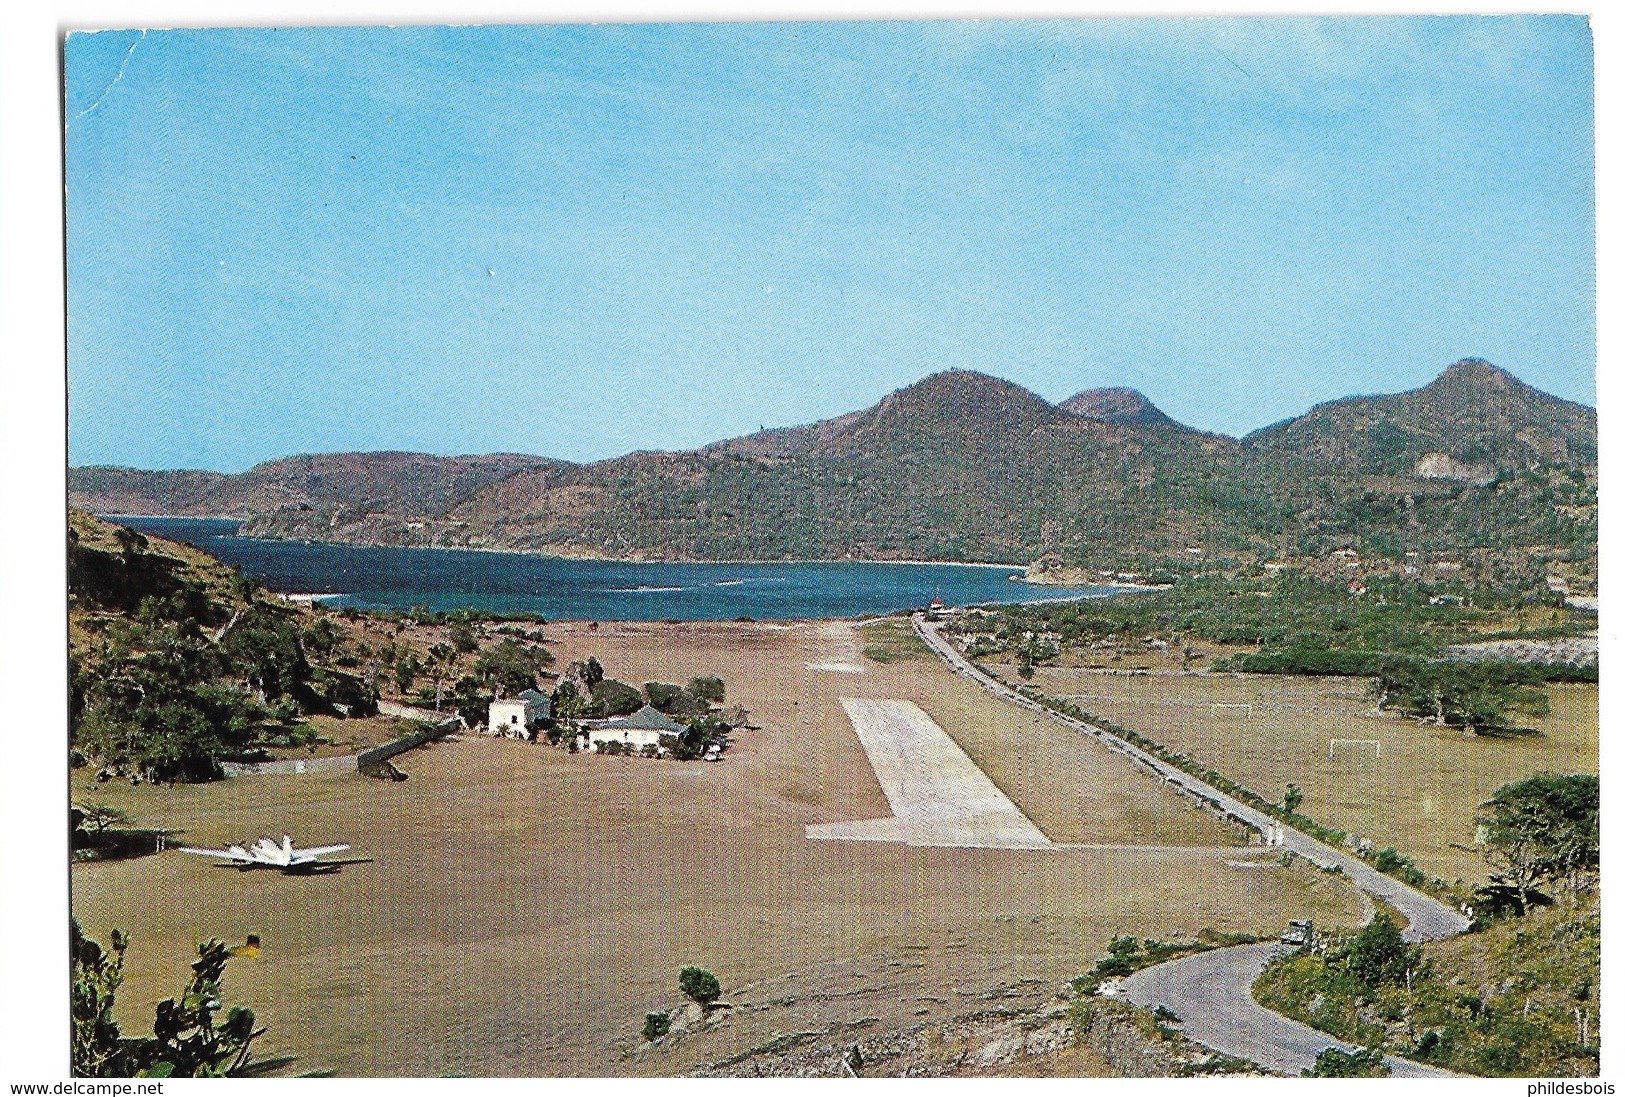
point(511, 666)
point(1378, 954)
point(615, 698)
point(407, 669)
point(441, 659)
point(322, 637)
point(699, 985)
point(131, 544)
point(153, 707)
point(97, 1049)
point(265, 649)
point(464, 633)
point(1542, 829)
point(592, 673)
point(568, 707)
point(663, 695)
point(1477, 697)
point(97, 817)
point(188, 1039)
point(187, 1042)
point(1293, 799)
point(472, 699)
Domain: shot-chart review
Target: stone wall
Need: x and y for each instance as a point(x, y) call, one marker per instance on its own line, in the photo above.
point(348, 763)
point(406, 742)
point(344, 764)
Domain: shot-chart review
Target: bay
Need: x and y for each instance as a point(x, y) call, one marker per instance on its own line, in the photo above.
point(600, 590)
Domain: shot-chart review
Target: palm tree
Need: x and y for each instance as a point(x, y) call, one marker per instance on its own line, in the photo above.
point(441, 658)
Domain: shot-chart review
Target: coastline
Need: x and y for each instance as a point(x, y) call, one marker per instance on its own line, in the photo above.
point(573, 555)
point(306, 595)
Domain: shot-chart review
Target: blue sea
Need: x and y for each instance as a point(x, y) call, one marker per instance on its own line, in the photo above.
point(597, 590)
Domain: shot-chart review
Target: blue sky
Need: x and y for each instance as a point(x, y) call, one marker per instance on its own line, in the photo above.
point(579, 241)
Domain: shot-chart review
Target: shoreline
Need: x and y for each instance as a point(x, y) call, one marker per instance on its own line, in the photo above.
point(1086, 591)
point(597, 557)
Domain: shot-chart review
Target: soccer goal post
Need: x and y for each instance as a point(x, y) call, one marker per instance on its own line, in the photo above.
point(1357, 747)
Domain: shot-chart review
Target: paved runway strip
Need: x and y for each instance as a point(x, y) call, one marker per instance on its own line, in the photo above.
point(938, 796)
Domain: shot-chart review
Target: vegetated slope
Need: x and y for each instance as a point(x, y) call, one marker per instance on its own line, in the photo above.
point(112, 489)
point(965, 466)
point(1520, 998)
point(381, 498)
point(958, 466)
point(176, 662)
point(1475, 459)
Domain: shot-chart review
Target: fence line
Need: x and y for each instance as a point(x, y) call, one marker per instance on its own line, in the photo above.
point(348, 763)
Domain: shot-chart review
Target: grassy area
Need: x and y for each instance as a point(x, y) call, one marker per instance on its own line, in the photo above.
point(892, 641)
point(1417, 791)
point(1520, 998)
point(1291, 610)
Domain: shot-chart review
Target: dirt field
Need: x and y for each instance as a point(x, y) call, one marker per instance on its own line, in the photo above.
point(1419, 797)
point(527, 906)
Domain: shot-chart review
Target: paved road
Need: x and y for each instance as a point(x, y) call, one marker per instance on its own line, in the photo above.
point(1211, 992)
point(1215, 988)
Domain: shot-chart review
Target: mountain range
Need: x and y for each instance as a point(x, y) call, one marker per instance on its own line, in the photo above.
point(966, 466)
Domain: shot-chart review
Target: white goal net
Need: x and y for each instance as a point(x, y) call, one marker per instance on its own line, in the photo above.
point(1357, 749)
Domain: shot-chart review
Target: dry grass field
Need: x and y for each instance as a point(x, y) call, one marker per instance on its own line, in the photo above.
point(526, 906)
point(1419, 797)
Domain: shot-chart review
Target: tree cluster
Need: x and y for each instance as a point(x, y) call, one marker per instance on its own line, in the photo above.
point(1479, 697)
point(159, 697)
point(1543, 831)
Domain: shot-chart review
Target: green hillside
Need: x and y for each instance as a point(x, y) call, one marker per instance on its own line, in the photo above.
point(176, 663)
point(1474, 460)
point(964, 466)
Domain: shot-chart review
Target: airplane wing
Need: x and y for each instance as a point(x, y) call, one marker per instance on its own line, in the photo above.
point(225, 853)
point(303, 854)
point(317, 868)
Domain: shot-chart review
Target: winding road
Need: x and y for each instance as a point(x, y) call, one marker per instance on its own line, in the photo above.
point(1212, 991)
point(1212, 994)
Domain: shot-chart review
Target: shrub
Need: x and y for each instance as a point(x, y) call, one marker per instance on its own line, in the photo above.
point(699, 985)
point(617, 698)
point(673, 700)
point(1378, 954)
point(1332, 1063)
point(656, 1025)
point(707, 688)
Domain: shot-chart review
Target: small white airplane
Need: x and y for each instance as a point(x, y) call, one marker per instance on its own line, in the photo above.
point(265, 853)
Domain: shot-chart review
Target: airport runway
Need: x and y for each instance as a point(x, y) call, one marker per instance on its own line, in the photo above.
point(938, 796)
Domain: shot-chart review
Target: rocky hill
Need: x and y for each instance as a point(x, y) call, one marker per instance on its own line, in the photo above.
point(1118, 405)
point(965, 466)
point(958, 466)
point(176, 663)
point(1476, 458)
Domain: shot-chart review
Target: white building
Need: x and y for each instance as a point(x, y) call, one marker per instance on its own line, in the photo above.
point(519, 717)
point(641, 729)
